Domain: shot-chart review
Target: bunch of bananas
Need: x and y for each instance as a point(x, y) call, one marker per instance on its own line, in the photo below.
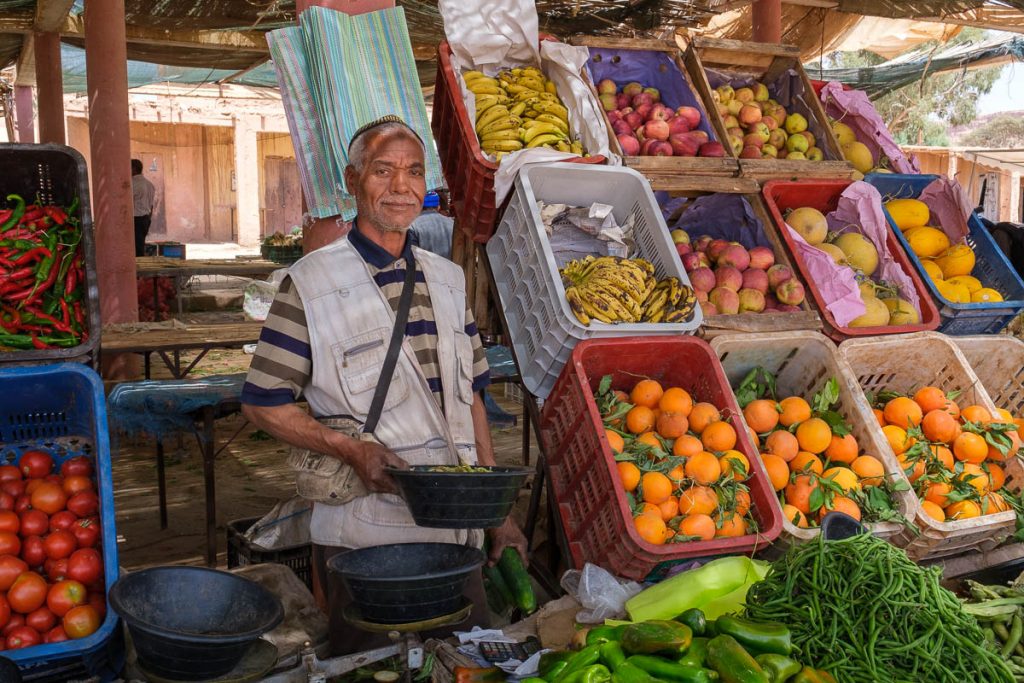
point(519, 109)
point(618, 290)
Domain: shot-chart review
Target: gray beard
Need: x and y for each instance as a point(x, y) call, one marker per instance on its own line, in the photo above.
point(388, 227)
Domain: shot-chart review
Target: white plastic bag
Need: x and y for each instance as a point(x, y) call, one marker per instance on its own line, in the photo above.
point(286, 525)
point(259, 294)
point(602, 595)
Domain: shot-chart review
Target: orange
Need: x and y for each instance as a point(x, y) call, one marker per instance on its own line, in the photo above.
point(934, 511)
point(702, 415)
point(669, 509)
point(965, 509)
point(794, 410)
point(735, 463)
point(718, 437)
point(840, 504)
point(1003, 416)
point(730, 525)
point(742, 502)
point(976, 477)
point(656, 487)
point(978, 414)
point(869, 469)
point(646, 393)
point(913, 470)
point(842, 449)
point(698, 500)
point(814, 435)
point(640, 419)
point(902, 412)
point(782, 444)
point(778, 470)
point(953, 409)
point(677, 474)
point(937, 493)
point(676, 400)
point(794, 516)
point(994, 502)
point(753, 436)
point(994, 454)
point(804, 462)
point(673, 425)
point(1020, 423)
point(844, 478)
point(629, 474)
point(798, 492)
point(621, 396)
point(929, 399)
point(699, 525)
point(649, 439)
point(943, 455)
point(996, 476)
point(897, 438)
point(614, 440)
point(761, 415)
point(880, 416)
point(939, 426)
point(687, 445)
point(703, 468)
point(651, 528)
point(970, 448)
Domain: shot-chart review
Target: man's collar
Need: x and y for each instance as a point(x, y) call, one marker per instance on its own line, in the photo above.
point(374, 254)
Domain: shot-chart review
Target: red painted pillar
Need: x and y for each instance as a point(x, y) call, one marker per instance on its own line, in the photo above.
point(24, 113)
point(49, 88)
point(106, 73)
point(766, 16)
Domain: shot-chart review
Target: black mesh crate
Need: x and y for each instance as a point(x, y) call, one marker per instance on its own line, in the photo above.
point(298, 558)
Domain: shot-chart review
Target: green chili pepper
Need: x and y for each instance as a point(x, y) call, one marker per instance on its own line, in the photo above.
point(556, 670)
point(809, 675)
point(1016, 631)
point(612, 655)
point(759, 637)
point(779, 667)
point(711, 628)
point(696, 654)
point(603, 634)
point(549, 660)
point(694, 618)
point(588, 656)
point(532, 679)
point(630, 673)
point(598, 673)
point(665, 670)
point(16, 214)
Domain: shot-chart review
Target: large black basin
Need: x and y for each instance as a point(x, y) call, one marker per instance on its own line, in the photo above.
point(460, 500)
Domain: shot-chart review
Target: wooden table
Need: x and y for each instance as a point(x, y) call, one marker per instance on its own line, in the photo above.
point(168, 343)
point(183, 269)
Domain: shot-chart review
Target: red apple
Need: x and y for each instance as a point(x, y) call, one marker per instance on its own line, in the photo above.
point(749, 115)
point(622, 100)
point(703, 279)
point(754, 279)
point(607, 87)
point(634, 119)
point(744, 95)
point(632, 89)
point(700, 136)
point(642, 99)
point(621, 128)
point(753, 140)
point(645, 111)
point(660, 148)
point(630, 145)
point(711, 149)
point(750, 152)
point(684, 145)
point(656, 130)
point(762, 258)
point(654, 93)
point(691, 114)
point(677, 125)
point(731, 121)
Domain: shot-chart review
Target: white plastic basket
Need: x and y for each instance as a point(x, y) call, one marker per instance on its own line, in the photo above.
point(543, 330)
point(998, 361)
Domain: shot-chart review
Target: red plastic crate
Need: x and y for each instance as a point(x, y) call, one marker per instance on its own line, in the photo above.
point(595, 515)
point(823, 195)
point(468, 173)
point(819, 86)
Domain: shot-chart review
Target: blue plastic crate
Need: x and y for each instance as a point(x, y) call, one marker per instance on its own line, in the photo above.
point(991, 266)
point(61, 409)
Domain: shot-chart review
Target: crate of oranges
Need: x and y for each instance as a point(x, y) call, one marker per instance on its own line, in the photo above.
point(998, 361)
point(648, 459)
point(959, 451)
point(814, 437)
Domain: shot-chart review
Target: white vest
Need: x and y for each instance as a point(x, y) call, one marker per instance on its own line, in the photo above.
point(350, 324)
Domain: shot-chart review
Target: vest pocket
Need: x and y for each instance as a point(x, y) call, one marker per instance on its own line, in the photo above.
point(464, 366)
point(359, 361)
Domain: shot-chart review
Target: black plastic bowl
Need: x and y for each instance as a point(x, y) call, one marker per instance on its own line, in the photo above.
point(460, 500)
point(406, 582)
point(192, 623)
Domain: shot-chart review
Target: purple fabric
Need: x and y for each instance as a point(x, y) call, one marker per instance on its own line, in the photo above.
point(835, 283)
point(722, 216)
point(950, 207)
point(853, 108)
point(652, 69)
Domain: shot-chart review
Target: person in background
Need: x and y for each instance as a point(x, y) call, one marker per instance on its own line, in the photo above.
point(431, 230)
point(144, 199)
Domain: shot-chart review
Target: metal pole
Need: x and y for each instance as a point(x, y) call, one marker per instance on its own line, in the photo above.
point(50, 88)
point(766, 16)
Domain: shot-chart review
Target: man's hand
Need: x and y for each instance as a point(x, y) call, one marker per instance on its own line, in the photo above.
point(370, 460)
point(507, 535)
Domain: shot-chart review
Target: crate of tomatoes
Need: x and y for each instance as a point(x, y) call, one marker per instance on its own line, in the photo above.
point(648, 458)
point(58, 547)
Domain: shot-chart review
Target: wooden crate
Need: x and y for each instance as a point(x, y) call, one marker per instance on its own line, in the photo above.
point(653, 166)
point(713, 326)
point(765, 63)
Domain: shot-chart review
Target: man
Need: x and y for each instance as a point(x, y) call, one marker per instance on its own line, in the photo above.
point(325, 338)
point(144, 199)
point(431, 230)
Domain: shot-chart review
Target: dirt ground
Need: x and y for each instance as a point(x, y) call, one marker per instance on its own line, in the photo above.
point(250, 478)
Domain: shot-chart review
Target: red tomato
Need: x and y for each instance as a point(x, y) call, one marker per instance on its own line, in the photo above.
point(49, 497)
point(14, 622)
point(28, 593)
point(34, 523)
point(10, 544)
point(99, 603)
point(23, 636)
point(33, 551)
point(77, 466)
point(81, 621)
point(64, 519)
point(75, 484)
point(6, 501)
point(5, 610)
point(9, 521)
point(41, 620)
point(9, 473)
point(84, 503)
point(85, 565)
point(31, 485)
point(58, 545)
point(55, 635)
point(22, 503)
point(15, 487)
point(35, 464)
point(56, 570)
point(86, 531)
point(11, 567)
point(64, 595)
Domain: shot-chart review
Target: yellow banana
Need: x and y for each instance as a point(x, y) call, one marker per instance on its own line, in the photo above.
point(548, 97)
point(531, 83)
point(531, 71)
point(550, 87)
point(491, 115)
point(552, 108)
point(655, 303)
point(545, 139)
point(501, 146)
point(503, 123)
point(516, 89)
point(576, 147)
point(542, 129)
point(562, 146)
point(596, 312)
point(518, 109)
point(485, 87)
point(550, 118)
point(616, 308)
point(473, 75)
point(572, 295)
point(509, 134)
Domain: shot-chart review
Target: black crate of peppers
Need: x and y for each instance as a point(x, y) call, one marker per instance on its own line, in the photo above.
point(49, 294)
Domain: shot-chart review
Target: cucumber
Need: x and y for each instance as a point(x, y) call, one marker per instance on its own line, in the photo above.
point(514, 573)
point(501, 592)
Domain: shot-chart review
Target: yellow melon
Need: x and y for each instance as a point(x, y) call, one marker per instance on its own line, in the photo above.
point(907, 213)
point(867, 288)
point(875, 315)
point(901, 312)
point(810, 223)
point(933, 270)
point(844, 134)
point(957, 294)
point(835, 252)
point(858, 154)
point(973, 284)
point(860, 252)
point(985, 295)
point(956, 260)
point(927, 242)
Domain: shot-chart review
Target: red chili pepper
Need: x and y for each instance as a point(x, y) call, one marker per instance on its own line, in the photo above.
point(6, 262)
point(37, 254)
point(18, 274)
point(32, 213)
point(56, 214)
point(5, 214)
point(42, 287)
point(72, 280)
point(79, 317)
point(65, 313)
point(38, 344)
point(57, 325)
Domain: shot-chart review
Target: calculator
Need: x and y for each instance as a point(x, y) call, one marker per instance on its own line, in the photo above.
point(502, 652)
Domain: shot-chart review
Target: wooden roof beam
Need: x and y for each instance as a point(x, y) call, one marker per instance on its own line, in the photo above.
point(25, 71)
point(52, 14)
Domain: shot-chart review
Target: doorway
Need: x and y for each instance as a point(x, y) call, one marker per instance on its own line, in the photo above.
point(282, 195)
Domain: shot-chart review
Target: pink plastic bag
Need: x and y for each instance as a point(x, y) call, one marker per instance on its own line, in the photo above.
point(853, 108)
point(836, 283)
point(950, 207)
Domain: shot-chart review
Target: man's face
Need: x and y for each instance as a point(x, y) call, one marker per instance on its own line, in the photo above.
point(390, 187)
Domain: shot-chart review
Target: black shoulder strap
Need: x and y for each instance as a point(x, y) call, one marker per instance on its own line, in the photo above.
point(394, 348)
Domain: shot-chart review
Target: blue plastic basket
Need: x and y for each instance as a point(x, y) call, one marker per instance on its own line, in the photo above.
point(61, 409)
point(991, 266)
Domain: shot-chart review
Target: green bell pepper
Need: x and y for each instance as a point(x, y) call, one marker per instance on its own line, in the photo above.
point(603, 634)
point(759, 637)
point(696, 654)
point(779, 667)
point(733, 663)
point(630, 673)
point(612, 655)
point(809, 675)
point(666, 670)
point(595, 673)
point(694, 618)
point(654, 637)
